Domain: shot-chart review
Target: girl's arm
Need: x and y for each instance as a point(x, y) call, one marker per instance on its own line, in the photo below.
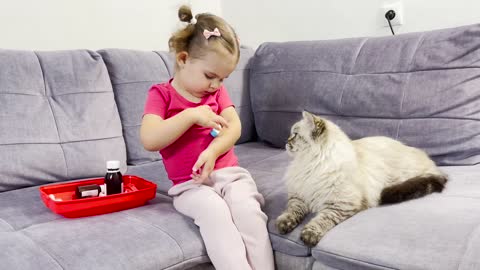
point(157, 133)
point(228, 135)
point(219, 146)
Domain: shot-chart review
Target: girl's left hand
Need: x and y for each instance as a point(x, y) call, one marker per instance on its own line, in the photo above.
point(203, 167)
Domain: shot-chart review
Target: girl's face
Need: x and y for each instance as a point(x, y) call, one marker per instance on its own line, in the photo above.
point(203, 76)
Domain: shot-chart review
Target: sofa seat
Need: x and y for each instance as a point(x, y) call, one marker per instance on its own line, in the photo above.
point(389, 237)
point(440, 231)
point(33, 237)
point(400, 236)
point(36, 238)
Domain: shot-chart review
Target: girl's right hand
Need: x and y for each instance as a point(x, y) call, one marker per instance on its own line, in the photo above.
point(205, 117)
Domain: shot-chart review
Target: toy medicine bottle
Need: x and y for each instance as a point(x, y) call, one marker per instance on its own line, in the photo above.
point(113, 178)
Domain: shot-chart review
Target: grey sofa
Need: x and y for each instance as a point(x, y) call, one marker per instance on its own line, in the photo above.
point(64, 113)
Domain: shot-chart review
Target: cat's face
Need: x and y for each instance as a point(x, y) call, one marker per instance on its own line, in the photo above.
point(305, 133)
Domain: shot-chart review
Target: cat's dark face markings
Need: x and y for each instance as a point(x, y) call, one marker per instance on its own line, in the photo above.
point(295, 140)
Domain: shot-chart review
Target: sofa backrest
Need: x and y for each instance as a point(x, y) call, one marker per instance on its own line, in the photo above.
point(58, 118)
point(132, 74)
point(420, 88)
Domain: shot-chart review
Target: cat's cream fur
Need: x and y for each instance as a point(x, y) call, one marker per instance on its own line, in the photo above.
point(335, 177)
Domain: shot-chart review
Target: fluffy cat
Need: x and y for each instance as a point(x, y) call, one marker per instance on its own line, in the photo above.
point(335, 177)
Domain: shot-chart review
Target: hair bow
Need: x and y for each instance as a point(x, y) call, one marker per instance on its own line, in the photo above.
point(207, 34)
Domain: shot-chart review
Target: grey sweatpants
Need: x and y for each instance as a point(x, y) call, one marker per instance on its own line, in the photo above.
point(232, 225)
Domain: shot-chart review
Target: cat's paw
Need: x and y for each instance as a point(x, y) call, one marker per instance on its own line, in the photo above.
point(311, 235)
point(286, 222)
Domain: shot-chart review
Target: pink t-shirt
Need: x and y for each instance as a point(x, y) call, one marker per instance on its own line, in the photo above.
point(180, 156)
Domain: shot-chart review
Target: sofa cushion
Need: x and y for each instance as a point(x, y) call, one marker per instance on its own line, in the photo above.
point(289, 262)
point(318, 265)
point(134, 72)
point(22, 208)
point(21, 252)
point(420, 88)
point(238, 88)
point(153, 171)
point(153, 236)
point(440, 231)
point(58, 105)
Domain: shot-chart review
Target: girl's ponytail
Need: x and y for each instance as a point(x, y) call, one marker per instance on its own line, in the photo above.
point(185, 14)
point(180, 41)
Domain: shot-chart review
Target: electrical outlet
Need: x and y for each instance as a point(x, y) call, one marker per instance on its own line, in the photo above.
point(398, 8)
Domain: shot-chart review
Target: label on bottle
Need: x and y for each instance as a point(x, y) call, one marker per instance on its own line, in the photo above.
point(90, 193)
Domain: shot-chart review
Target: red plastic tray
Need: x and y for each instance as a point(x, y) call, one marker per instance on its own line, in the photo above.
point(137, 191)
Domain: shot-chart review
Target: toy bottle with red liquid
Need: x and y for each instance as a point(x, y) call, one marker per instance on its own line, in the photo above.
point(113, 178)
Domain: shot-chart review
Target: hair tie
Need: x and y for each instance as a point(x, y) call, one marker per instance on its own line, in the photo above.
point(193, 20)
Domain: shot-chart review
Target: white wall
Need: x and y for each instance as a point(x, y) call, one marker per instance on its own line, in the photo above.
point(147, 24)
point(92, 24)
point(282, 20)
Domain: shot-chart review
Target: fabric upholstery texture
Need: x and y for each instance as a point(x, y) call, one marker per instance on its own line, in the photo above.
point(132, 73)
point(419, 88)
point(58, 105)
point(440, 231)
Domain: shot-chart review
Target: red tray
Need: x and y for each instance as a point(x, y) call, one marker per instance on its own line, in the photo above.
point(137, 191)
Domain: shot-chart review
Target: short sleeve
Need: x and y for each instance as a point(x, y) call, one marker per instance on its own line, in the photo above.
point(223, 99)
point(157, 101)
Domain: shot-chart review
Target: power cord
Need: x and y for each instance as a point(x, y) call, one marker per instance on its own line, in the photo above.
point(390, 15)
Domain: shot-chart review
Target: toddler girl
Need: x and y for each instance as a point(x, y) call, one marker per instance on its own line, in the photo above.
point(208, 184)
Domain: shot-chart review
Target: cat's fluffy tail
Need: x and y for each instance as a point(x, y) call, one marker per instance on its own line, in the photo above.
point(413, 188)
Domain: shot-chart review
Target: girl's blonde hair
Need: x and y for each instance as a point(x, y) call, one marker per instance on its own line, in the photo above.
point(192, 40)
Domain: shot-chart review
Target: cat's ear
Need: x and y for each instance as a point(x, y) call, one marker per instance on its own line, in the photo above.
point(315, 123)
point(309, 117)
